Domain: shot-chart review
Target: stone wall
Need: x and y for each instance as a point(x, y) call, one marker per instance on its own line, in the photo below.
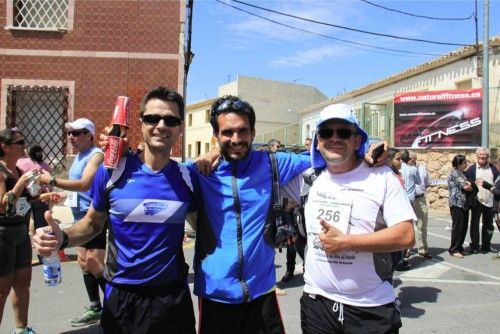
point(438, 164)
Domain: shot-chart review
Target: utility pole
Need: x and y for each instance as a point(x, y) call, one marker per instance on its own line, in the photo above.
point(485, 124)
point(188, 58)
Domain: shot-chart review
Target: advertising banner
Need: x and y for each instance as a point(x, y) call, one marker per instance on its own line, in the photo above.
point(438, 119)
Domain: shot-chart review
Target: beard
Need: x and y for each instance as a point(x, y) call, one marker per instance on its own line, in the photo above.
point(231, 154)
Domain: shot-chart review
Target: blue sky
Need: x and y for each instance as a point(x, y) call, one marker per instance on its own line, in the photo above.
point(228, 42)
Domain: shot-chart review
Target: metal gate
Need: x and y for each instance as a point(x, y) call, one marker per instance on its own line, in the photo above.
point(40, 113)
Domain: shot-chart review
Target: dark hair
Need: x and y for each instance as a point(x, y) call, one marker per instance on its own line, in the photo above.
point(35, 152)
point(391, 153)
point(458, 160)
point(7, 137)
point(163, 94)
point(405, 156)
point(231, 104)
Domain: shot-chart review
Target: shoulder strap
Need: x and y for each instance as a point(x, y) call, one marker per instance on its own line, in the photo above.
point(309, 175)
point(276, 182)
point(116, 174)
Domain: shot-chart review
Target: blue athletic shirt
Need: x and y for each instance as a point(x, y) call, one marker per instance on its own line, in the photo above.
point(147, 211)
point(75, 173)
point(233, 262)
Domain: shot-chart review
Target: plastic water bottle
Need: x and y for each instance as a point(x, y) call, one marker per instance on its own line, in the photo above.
point(52, 269)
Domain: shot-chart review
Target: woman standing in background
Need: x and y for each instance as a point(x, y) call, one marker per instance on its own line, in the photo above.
point(15, 245)
point(458, 187)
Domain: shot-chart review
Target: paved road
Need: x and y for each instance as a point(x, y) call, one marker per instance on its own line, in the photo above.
point(442, 295)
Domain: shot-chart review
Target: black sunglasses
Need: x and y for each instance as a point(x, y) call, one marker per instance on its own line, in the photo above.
point(19, 142)
point(342, 133)
point(154, 119)
point(233, 104)
point(76, 133)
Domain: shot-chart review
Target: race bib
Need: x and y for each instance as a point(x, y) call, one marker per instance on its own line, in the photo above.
point(22, 206)
point(335, 211)
point(71, 199)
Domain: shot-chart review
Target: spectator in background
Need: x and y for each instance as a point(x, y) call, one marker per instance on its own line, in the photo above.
point(81, 134)
point(15, 246)
point(483, 206)
point(458, 187)
point(394, 161)
point(411, 179)
point(307, 144)
point(274, 145)
point(495, 190)
point(420, 206)
point(34, 160)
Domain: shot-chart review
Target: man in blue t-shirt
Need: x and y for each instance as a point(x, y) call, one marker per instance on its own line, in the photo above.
point(148, 198)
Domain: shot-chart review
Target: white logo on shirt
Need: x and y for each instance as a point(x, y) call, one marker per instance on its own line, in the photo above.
point(154, 211)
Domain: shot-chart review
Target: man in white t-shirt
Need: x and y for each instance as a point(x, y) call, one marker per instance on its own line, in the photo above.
point(355, 216)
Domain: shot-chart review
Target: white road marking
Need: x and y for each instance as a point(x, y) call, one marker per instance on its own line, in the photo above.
point(428, 270)
point(448, 281)
point(439, 236)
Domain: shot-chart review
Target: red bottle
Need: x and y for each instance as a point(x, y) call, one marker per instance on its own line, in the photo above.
point(119, 123)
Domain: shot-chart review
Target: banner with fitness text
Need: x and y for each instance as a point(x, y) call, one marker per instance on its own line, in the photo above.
point(446, 118)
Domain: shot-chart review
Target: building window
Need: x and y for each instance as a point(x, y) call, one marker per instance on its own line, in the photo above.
point(207, 147)
point(189, 151)
point(198, 148)
point(466, 84)
point(39, 112)
point(190, 120)
point(207, 116)
point(46, 15)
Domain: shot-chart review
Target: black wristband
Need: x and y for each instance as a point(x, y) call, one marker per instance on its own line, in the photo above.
point(65, 240)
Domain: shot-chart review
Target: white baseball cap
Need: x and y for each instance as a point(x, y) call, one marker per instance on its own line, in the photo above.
point(80, 124)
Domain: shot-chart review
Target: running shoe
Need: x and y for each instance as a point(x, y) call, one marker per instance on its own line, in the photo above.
point(90, 316)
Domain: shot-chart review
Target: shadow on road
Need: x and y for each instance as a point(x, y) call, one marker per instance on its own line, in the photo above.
point(92, 329)
point(410, 296)
point(296, 281)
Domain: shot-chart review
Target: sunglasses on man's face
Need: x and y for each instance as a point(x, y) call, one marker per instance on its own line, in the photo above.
point(342, 133)
point(168, 120)
point(232, 104)
point(76, 133)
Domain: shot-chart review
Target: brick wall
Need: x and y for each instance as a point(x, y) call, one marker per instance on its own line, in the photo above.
point(150, 29)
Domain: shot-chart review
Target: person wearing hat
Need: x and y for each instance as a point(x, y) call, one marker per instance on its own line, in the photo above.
point(88, 158)
point(355, 216)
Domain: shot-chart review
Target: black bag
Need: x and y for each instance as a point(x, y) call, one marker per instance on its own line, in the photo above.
point(471, 200)
point(281, 228)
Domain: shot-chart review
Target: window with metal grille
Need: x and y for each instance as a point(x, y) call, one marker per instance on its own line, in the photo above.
point(40, 113)
point(40, 14)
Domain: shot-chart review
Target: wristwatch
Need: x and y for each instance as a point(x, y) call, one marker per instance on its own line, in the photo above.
point(65, 241)
point(53, 181)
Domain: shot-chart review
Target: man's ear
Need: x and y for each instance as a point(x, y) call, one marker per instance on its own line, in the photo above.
point(359, 140)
